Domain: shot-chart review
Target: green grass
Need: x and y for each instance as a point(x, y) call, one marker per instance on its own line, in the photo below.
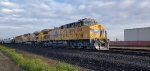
point(34, 64)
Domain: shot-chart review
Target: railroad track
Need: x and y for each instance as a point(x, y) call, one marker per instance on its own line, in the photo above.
point(132, 48)
point(113, 60)
point(129, 52)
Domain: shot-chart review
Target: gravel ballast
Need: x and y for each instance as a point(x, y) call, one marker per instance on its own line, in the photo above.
point(95, 60)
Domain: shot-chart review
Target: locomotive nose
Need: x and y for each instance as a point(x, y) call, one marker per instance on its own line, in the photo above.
point(101, 45)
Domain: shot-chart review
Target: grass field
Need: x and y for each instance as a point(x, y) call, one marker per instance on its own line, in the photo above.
point(34, 64)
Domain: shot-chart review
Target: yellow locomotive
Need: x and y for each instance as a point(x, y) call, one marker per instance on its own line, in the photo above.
point(85, 33)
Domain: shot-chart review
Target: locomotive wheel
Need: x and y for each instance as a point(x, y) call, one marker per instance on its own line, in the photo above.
point(101, 45)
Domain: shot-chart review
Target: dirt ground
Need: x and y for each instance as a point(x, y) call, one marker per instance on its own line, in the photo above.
point(7, 65)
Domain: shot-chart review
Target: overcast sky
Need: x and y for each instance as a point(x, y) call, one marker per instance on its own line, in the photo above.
point(26, 16)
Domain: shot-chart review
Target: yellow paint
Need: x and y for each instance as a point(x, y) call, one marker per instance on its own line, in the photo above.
point(75, 33)
point(39, 37)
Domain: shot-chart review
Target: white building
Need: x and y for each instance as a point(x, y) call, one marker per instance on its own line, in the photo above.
point(137, 34)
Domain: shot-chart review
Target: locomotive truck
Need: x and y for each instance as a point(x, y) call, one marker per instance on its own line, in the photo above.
point(85, 33)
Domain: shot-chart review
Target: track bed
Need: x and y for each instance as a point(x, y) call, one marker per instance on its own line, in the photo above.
point(112, 60)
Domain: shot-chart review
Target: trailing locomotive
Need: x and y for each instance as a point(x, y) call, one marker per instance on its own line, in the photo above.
point(85, 33)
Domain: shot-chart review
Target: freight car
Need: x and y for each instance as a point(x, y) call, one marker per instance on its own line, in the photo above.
point(85, 33)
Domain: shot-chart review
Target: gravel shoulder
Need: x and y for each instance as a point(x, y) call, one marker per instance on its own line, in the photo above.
point(113, 60)
point(7, 65)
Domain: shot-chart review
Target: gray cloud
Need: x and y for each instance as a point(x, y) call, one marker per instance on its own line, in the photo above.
point(34, 15)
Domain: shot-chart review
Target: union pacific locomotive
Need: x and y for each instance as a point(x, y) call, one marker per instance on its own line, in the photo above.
point(85, 33)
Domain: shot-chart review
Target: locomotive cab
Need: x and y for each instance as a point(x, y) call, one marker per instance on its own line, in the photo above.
point(99, 37)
